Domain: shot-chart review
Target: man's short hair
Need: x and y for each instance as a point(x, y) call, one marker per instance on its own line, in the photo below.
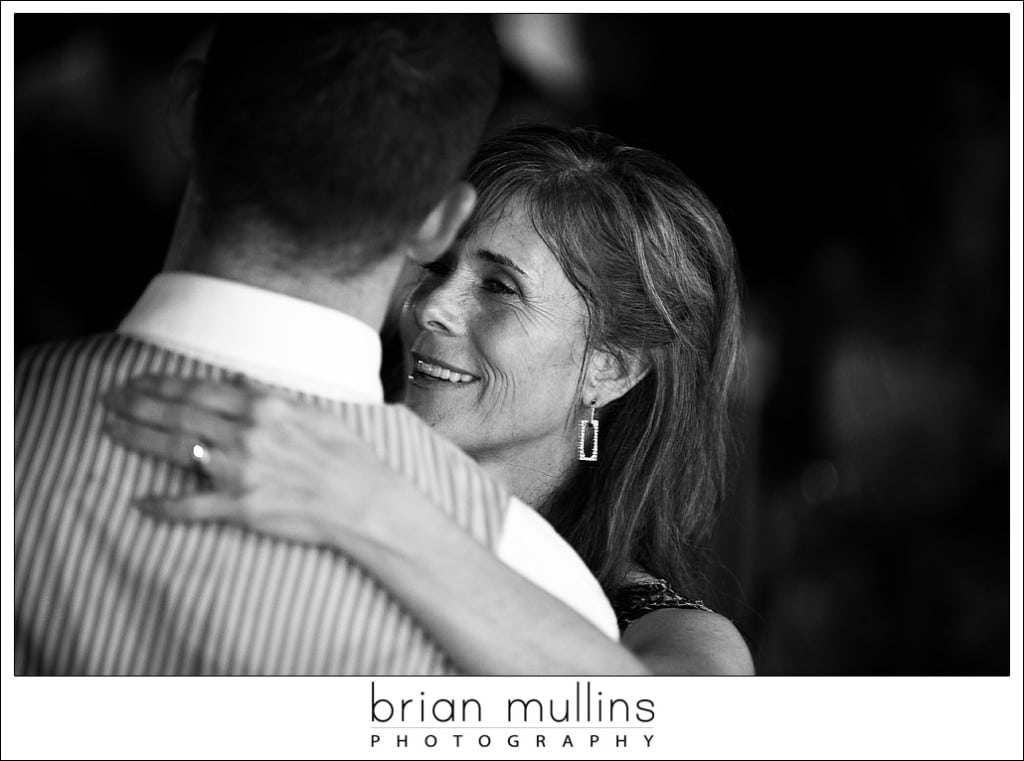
point(340, 130)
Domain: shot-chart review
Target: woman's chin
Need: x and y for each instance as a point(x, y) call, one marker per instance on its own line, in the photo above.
point(434, 409)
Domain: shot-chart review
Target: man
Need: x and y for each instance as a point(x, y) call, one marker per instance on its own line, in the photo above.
point(325, 151)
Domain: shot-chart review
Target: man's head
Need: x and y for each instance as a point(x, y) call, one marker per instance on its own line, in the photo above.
point(342, 134)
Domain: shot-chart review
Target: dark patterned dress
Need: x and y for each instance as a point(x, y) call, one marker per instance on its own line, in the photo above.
point(647, 595)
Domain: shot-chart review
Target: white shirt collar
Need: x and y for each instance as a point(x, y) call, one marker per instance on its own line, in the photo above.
point(273, 338)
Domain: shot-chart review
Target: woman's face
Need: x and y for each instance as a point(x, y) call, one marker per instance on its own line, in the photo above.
point(494, 341)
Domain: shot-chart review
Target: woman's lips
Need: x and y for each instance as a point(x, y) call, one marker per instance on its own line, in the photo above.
point(430, 369)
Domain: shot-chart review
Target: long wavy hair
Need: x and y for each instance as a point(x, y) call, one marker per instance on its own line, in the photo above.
point(655, 265)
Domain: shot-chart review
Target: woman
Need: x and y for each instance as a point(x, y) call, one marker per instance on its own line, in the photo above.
point(594, 282)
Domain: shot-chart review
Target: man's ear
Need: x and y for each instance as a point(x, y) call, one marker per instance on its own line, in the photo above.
point(181, 107)
point(609, 377)
point(443, 223)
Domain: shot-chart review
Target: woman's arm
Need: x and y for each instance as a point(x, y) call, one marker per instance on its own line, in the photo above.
point(294, 472)
point(688, 642)
point(488, 618)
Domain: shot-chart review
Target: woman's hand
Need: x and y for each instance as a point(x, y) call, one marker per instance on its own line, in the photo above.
point(277, 467)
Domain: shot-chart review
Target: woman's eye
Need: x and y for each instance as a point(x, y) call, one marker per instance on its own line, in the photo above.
point(497, 286)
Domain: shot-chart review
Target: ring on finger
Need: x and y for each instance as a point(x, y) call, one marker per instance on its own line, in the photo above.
point(201, 456)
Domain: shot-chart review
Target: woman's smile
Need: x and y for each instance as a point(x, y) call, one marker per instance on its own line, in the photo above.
point(430, 372)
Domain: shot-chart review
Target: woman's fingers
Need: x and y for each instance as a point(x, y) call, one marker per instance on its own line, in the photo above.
point(229, 399)
point(221, 413)
point(207, 506)
point(173, 447)
point(178, 416)
point(221, 465)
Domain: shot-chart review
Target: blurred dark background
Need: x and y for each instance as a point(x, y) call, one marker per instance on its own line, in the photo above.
point(862, 163)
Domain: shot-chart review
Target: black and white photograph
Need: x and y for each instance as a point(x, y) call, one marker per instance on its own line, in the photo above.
point(473, 343)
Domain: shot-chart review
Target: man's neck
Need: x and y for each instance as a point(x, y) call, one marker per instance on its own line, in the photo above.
point(253, 256)
point(364, 297)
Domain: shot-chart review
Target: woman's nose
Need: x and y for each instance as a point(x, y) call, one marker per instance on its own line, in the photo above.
point(441, 306)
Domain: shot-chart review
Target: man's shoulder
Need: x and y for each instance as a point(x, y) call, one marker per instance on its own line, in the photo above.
point(72, 361)
point(71, 371)
point(55, 351)
point(95, 349)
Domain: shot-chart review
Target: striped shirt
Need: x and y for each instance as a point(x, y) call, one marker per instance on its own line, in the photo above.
point(102, 589)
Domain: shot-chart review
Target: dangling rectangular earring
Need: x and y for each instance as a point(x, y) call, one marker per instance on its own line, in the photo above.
point(593, 425)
